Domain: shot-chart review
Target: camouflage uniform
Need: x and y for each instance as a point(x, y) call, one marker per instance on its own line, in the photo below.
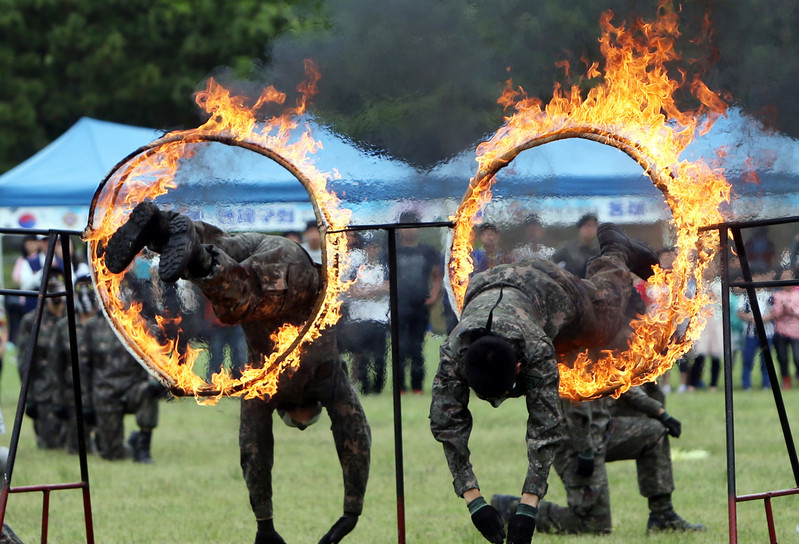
point(572, 255)
point(45, 387)
point(634, 433)
point(588, 497)
point(613, 430)
point(542, 304)
point(262, 282)
point(60, 361)
point(116, 385)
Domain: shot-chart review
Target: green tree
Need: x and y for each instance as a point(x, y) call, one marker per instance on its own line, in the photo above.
point(130, 61)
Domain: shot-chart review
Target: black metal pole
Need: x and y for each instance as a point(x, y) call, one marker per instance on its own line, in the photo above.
point(25, 369)
point(732, 507)
point(76, 387)
point(765, 349)
point(397, 380)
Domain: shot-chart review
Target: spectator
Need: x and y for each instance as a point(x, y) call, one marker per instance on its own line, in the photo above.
point(786, 327)
point(760, 248)
point(293, 235)
point(363, 330)
point(16, 305)
point(751, 341)
point(490, 253)
point(312, 241)
point(573, 254)
point(418, 288)
point(533, 245)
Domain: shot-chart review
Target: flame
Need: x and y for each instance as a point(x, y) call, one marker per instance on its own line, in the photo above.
point(149, 173)
point(632, 108)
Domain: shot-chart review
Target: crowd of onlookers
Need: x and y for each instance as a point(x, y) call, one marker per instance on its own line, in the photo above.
point(364, 329)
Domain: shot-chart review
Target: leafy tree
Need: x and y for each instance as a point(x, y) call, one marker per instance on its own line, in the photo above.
point(130, 61)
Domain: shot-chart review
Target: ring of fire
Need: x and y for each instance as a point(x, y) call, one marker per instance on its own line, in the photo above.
point(653, 346)
point(110, 206)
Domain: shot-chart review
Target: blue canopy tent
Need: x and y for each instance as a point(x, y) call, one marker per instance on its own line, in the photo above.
point(68, 171)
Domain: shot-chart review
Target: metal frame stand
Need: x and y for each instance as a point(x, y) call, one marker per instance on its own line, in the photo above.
point(732, 498)
point(62, 237)
point(395, 358)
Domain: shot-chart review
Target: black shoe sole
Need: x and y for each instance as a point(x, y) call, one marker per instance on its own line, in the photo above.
point(131, 237)
point(176, 253)
point(642, 257)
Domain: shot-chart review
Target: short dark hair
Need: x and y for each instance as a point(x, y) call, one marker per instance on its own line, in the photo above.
point(490, 366)
point(409, 216)
point(311, 225)
point(586, 218)
point(488, 226)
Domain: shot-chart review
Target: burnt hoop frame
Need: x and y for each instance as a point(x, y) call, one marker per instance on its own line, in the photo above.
point(479, 192)
point(320, 310)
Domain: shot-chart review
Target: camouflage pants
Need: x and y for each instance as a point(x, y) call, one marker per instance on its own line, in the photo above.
point(110, 430)
point(350, 433)
point(50, 430)
point(645, 440)
point(588, 499)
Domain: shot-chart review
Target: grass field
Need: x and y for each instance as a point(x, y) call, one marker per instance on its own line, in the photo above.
point(194, 493)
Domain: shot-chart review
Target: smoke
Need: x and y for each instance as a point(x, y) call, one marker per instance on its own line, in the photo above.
point(420, 79)
point(411, 78)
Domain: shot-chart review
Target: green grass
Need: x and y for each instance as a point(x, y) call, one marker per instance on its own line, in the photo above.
point(194, 493)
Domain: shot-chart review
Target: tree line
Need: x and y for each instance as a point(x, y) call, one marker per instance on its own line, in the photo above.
point(416, 79)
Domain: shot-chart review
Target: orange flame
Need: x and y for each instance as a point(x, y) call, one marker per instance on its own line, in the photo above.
point(633, 109)
point(150, 172)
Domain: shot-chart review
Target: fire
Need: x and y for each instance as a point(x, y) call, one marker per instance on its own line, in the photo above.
point(634, 110)
point(149, 173)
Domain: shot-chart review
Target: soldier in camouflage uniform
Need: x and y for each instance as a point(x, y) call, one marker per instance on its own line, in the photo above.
point(117, 385)
point(60, 359)
point(46, 389)
point(515, 317)
point(262, 282)
point(636, 426)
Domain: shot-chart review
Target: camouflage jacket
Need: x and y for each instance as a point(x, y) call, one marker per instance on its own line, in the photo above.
point(586, 426)
point(45, 385)
point(263, 282)
point(537, 303)
point(60, 360)
point(111, 370)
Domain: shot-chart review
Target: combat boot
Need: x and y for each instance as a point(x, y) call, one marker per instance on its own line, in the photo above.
point(184, 256)
point(670, 521)
point(640, 257)
point(141, 446)
point(506, 505)
point(142, 227)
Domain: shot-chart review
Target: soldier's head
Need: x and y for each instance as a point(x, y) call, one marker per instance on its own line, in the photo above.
point(56, 285)
point(491, 365)
point(85, 300)
point(301, 416)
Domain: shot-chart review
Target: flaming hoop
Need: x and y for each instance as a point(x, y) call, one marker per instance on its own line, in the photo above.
point(149, 172)
point(633, 110)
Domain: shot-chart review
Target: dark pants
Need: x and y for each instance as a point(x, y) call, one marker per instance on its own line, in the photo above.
point(783, 344)
point(412, 327)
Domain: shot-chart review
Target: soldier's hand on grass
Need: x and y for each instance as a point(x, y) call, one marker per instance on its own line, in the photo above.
point(672, 424)
point(522, 525)
point(585, 465)
point(340, 529)
point(487, 520)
